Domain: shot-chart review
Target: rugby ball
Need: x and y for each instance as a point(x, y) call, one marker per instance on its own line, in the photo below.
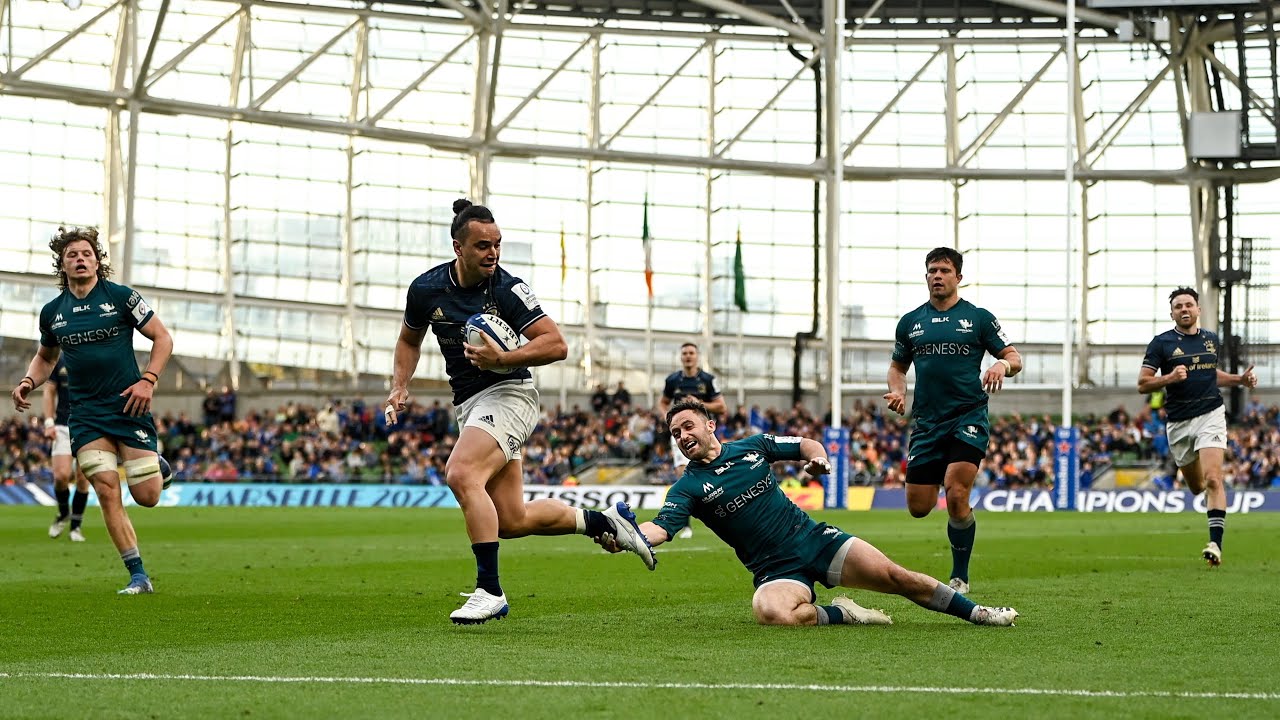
point(496, 328)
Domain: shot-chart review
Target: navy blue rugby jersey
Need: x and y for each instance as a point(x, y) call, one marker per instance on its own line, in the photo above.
point(702, 385)
point(436, 299)
point(1199, 393)
point(62, 409)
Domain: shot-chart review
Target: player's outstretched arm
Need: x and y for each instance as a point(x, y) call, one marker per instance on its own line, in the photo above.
point(1244, 379)
point(655, 534)
point(896, 398)
point(652, 532)
point(815, 457)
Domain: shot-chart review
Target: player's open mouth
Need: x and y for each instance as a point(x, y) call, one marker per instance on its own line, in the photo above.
point(1186, 316)
point(689, 444)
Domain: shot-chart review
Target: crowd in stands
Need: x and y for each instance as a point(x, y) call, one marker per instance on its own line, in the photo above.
point(349, 442)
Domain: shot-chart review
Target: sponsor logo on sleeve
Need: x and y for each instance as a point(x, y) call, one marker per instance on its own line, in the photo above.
point(141, 310)
point(525, 293)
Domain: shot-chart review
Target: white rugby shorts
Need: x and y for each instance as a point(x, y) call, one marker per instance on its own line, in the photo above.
point(1187, 437)
point(61, 441)
point(508, 411)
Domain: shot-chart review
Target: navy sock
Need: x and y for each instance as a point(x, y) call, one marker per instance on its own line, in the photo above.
point(132, 562)
point(64, 499)
point(961, 534)
point(597, 523)
point(77, 508)
point(1217, 526)
point(487, 567)
point(830, 615)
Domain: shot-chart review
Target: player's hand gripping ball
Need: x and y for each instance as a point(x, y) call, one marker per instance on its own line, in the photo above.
point(482, 324)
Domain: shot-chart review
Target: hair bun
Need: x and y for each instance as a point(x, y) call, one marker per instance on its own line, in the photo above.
point(460, 204)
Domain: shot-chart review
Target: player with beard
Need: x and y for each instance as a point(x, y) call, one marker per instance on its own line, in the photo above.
point(1187, 358)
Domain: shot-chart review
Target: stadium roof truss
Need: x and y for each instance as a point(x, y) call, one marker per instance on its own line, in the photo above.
point(154, 40)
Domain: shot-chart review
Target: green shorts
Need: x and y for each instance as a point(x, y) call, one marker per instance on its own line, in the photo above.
point(138, 432)
point(818, 557)
point(929, 442)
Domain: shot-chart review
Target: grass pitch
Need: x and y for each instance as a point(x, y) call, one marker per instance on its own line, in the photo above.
point(344, 612)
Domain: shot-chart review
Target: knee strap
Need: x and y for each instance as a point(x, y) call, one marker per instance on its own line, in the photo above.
point(93, 462)
point(140, 470)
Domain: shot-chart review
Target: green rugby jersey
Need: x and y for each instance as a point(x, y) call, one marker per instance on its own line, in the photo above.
point(947, 349)
point(738, 497)
point(96, 337)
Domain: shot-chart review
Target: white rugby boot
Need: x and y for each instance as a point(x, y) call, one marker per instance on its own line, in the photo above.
point(855, 614)
point(481, 607)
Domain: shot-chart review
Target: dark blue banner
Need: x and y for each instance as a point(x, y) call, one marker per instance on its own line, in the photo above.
point(1124, 501)
point(1066, 463)
point(836, 482)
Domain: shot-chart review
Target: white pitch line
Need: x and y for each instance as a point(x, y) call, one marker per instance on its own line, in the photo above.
point(596, 684)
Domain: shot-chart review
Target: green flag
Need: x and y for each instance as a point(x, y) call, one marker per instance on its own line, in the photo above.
point(739, 276)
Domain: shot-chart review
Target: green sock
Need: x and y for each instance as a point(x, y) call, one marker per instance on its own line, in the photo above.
point(961, 533)
point(132, 562)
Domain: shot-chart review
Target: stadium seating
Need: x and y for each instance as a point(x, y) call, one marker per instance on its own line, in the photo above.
point(348, 442)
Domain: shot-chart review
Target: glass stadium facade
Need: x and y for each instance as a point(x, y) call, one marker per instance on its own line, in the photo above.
point(272, 175)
